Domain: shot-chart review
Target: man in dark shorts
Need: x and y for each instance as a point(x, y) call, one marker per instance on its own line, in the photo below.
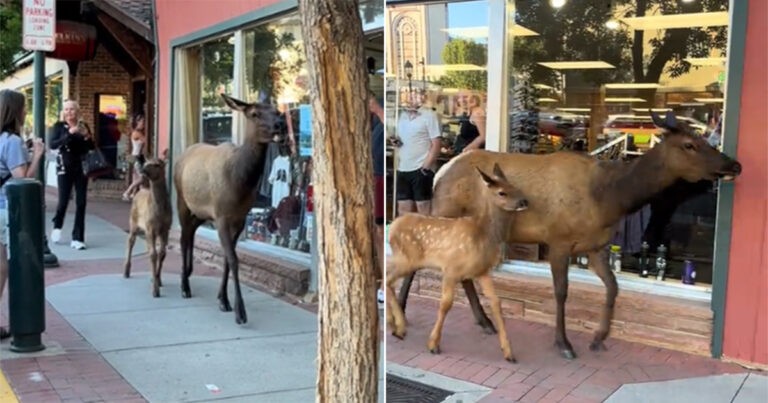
point(418, 138)
point(377, 148)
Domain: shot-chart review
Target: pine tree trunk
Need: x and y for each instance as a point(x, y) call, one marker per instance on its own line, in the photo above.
point(343, 177)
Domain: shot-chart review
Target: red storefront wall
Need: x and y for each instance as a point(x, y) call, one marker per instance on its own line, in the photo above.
point(177, 18)
point(746, 305)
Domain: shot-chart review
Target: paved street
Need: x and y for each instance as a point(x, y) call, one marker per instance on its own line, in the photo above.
point(108, 340)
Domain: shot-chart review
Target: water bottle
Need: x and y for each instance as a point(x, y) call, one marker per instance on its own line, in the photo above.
point(644, 260)
point(689, 273)
point(616, 258)
point(661, 262)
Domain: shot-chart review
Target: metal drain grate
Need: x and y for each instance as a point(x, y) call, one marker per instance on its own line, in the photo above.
point(401, 390)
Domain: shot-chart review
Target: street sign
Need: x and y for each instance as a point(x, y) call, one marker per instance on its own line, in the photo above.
point(39, 28)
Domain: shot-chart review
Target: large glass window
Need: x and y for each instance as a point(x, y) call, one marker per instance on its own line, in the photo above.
point(580, 75)
point(217, 77)
point(587, 74)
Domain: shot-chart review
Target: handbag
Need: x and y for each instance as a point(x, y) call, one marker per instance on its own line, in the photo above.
point(94, 164)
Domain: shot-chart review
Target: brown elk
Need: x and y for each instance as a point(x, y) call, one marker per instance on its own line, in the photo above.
point(574, 204)
point(151, 213)
point(463, 248)
point(216, 183)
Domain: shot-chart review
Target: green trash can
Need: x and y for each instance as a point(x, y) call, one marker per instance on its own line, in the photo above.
point(26, 277)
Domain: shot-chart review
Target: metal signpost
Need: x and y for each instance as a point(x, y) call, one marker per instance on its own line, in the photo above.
point(39, 35)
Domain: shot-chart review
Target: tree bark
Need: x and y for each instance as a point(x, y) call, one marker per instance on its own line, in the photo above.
point(342, 177)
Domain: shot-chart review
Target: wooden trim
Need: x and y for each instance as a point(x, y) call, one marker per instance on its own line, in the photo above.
point(737, 34)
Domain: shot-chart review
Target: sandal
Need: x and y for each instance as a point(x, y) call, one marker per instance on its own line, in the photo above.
point(4, 333)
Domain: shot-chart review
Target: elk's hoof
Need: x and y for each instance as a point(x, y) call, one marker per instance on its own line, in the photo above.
point(156, 293)
point(568, 354)
point(511, 359)
point(186, 294)
point(224, 306)
point(487, 326)
point(159, 283)
point(435, 350)
point(597, 346)
point(240, 316)
point(398, 335)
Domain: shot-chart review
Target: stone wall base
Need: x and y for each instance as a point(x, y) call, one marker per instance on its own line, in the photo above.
point(674, 323)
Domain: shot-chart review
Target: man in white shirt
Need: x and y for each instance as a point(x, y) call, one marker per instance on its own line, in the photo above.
point(418, 131)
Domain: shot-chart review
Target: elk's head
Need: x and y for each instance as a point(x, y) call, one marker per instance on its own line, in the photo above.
point(262, 121)
point(689, 156)
point(502, 193)
point(154, 169)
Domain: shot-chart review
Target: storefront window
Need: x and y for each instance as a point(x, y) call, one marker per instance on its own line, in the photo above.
point(438, 58)
point(580, 77)
point(217, 78)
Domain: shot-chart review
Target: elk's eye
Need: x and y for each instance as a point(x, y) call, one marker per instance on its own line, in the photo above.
point(503, 194)
point(689, 146)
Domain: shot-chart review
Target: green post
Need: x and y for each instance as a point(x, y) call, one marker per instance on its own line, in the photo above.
point(38, 112)
point(26, 277)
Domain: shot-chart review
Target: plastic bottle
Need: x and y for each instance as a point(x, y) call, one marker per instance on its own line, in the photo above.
point(615, 258)
point(661, 262)
point(644, 260)
point(689, 273)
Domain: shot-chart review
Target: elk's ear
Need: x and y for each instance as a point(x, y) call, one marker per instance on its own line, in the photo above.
point(671, 121)
point(498, 172)
point(234, 103)
point(657, 120)
point(487, 179)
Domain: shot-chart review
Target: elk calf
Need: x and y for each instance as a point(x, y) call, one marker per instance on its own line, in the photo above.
point(463, 248)
point(151, 213)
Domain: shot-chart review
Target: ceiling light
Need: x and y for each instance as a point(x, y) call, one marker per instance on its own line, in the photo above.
point(547, 100)
point(577, 65)
point(630, 99)
point(710, 100)
point(612, 24)
point(482, 32)
point(574, 109)
point(556, 3)
point(543, 87)
point(688, 1)
point(706, 61)
point(670, 21)
point(631, 86)
point(652, 110)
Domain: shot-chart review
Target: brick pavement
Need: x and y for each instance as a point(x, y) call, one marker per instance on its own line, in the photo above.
point(540, 375)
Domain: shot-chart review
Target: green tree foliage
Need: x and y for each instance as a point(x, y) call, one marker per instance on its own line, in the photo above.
point(462, 51)
point(10, 34)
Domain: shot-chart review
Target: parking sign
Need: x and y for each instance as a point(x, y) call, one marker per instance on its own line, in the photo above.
point(39, 27)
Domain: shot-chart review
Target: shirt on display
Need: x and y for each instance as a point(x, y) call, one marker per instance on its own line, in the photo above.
point(280, 178)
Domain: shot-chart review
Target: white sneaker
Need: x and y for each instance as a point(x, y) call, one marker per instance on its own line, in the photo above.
point(56, 235)
point(77, 245)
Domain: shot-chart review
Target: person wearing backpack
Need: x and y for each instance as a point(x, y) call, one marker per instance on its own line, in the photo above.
point(15, 162)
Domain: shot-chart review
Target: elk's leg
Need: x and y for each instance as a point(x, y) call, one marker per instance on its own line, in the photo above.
point(486, 283)
point(477, 309)
point(404, 289)
point(189, 225)
point(223, 288)
point(161, 257)
point(598, 262)
point(558, 260)
point(227, 236)
point(152, 248)
point(129, 251)
point(446, 302)
point(394, 272)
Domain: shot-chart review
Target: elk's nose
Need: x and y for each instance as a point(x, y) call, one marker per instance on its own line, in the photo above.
point(736, 167)
point(522, 204)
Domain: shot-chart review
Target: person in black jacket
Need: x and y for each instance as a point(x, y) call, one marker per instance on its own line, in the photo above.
point(72, 137)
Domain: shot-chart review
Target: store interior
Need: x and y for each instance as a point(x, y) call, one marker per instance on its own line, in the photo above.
point(583, 77)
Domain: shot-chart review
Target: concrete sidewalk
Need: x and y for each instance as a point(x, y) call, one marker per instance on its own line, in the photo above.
point(108, 340)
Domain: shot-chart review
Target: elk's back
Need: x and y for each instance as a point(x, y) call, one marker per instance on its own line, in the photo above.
point(201, 177)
